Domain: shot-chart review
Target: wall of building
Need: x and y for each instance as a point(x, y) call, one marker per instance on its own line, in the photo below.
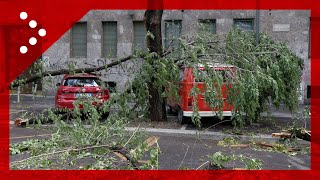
point(285, 26)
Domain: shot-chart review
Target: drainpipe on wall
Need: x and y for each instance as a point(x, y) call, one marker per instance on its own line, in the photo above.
point(257, 25)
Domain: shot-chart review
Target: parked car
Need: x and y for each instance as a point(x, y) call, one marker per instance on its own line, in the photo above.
point(73, 87)
point(184, 108)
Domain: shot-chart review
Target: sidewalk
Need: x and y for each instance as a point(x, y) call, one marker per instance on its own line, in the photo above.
point(32, 95)
point(284, 111)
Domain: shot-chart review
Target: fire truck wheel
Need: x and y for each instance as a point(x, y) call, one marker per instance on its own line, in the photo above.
point(181, 119)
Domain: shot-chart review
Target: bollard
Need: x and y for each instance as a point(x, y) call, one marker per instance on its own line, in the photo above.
point(18, 94)
point(34, 90)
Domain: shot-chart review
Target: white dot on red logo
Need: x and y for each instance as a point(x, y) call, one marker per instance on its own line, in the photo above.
point(33, 24)
point(23, 15)
point(42, 32)
point(33, 41)
point(23, 49)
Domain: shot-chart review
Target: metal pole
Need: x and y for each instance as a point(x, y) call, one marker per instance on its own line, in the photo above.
point(34, 91)
point(32, 87)
point(18, 94)
point(257, 23)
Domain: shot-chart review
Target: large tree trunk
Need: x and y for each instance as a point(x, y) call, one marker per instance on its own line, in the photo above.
point(152, 21)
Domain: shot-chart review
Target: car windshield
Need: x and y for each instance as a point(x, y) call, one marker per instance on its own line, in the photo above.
point(78, 81)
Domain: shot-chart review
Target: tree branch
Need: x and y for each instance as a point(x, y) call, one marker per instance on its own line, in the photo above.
point(67, 71)
point(120, 150)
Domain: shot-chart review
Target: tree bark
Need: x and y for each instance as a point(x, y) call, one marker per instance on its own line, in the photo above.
point(152, 21)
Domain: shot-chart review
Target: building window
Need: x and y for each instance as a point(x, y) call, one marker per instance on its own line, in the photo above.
point(79, 40)
point(244, 24)
point(207, 25)
point(308, 91)
point(139, 35)
point(172, 33)
point(110, 39)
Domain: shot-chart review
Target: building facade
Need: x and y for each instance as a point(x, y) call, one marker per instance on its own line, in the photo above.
point(102, 36)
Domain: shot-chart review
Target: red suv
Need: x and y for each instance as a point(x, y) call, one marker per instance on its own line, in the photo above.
point(187, 80)
point(73, 87)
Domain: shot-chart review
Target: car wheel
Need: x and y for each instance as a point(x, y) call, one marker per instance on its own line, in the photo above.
point(181, 119)
point(168, 109)
point(175, 110)
point(104, 116)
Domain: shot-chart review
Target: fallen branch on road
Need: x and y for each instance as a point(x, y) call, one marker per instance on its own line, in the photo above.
point(119, 151)
point(23, 122)
point(124, 153)
point(150, 142)
point(240, 145)
point(282, 135)
point(264, 144)
point(300, 133)
point(278, 147)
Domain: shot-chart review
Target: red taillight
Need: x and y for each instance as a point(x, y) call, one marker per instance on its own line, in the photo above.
point(59, 92)
point(62, 92)
point(99, 94)
point(103, 94)
point(106, 94)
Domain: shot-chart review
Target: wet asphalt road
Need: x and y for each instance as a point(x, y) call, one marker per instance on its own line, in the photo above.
point(177, 151)
point(187, 152)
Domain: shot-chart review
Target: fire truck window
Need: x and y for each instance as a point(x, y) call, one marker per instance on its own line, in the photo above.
point(204, 74)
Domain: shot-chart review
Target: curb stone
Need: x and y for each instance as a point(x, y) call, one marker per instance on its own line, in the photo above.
point(211, 135)
point(218, 136)
point(31, 95)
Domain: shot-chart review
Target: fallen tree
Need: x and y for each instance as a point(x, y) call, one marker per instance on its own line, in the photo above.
point(68, 71)
point(267, 70)
point(261, 78)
